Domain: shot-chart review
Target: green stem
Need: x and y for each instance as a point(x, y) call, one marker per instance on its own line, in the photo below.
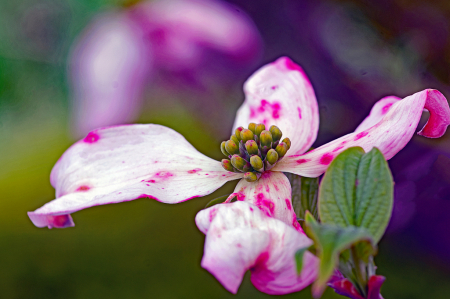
point(360, 277)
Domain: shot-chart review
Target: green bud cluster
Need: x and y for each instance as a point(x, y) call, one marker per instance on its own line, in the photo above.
point(254, 150)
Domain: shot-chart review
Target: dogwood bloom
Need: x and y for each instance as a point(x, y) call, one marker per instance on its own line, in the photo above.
point(117, 54)
point(260, 231)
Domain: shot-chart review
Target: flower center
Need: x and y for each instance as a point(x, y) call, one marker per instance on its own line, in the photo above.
point(254, 150)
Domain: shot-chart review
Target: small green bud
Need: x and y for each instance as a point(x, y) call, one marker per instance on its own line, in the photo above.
point(237, 132)
point(231, 147)
point(257, 163)
point(223, 149)
point(250, 177)
point(281, 149)
point(238, 162)
point(259, 128)
point(287, 141)
point(226, 164)
point(246, 135)
point(235, 139)
point(266, 138)
point(276, 133)
point(271, 157)
point(252, 127)
point(252, 147)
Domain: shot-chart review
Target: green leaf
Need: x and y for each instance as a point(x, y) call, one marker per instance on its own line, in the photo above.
point(217, 200)
point(330, 241)
point(299, 259)
point(357, 190)
point(304, 195)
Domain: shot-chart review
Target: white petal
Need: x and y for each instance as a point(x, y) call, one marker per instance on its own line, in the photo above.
point(280, 94)
point(271, 194)
point(240, 237)
point(123, 163)
point(390, 134)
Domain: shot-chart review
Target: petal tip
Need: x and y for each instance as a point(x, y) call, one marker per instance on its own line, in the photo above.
point(439, 120)
point(51, 221)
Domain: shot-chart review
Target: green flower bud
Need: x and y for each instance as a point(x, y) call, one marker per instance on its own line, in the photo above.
point(259, 128)
point(252, 127)
point(246, 135)
point(287, 141)
point(252, 147)
point(271, 157)
point(231, 147)
point(281, 149)
point(266, 138)
point(238, 131)
point(250, 177)
point(276, 133)
point(223, 149)
point(235, 139)
point(257, 163)
point(238, 162)
point(226, 164)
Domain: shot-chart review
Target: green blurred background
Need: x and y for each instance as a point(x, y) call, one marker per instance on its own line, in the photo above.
point(139, 249)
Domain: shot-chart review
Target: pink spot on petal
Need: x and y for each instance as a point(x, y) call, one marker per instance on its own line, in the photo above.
point(275, 87)
point(275, 114)
point(361, 135)
point(288, 203)
point(338, 148)
point(386, 108)
point(83, 188)
point(326, 159)
point(299, 113)
point(91, 138)
point(194, 170)
point(301, 161)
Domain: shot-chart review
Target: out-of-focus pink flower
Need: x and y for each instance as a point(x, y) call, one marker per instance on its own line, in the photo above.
point(124, 163)
point(116, 55)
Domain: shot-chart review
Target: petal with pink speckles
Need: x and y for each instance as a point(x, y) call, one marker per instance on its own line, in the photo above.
point(377, 112)
point(240, 237)
point(280, 94)
point(109, 67)
point(390, 134)
point(123, 163)
point(271, 194)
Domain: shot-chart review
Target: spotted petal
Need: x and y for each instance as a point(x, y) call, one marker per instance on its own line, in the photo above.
point(390, 134)
point(280, 94)
point(123, 163)
point(240, 237)
point(271, 194)
point(109, 67)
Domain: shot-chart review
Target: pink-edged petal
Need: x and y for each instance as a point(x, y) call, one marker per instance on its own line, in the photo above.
point(240, 237)
point(280, 94)
point(109, 67)
point(123, 163)
point(378, 111)
point(271, 194)
point(180, 29)
point(390, 134)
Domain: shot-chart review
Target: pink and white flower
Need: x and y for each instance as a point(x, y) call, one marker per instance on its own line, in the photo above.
point(116, 55)
point(124, 163)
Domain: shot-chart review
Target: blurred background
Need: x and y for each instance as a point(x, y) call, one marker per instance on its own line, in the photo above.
point(68, 66)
